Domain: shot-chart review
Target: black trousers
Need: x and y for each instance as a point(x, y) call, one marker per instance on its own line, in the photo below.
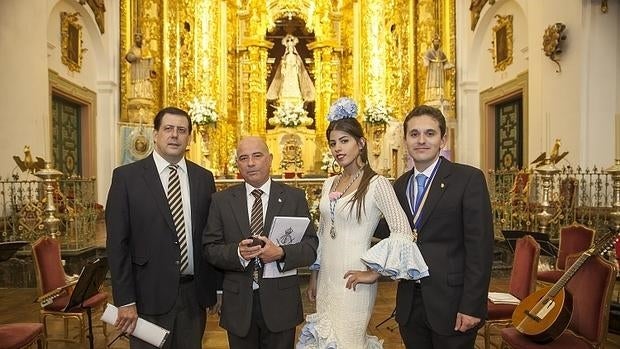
point(186, 321)
point(259, 336)
point(418, 334)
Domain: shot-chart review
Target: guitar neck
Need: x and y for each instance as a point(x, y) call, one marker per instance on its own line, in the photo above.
point(568, 274)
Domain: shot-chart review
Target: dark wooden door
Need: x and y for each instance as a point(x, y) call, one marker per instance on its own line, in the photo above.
point(66, 136)
point(509, 134)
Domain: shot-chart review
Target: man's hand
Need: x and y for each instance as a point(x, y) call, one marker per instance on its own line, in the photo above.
point(465, 322)
point(217, 307)
point(355, 277)
point(247, 251)
point(271, 252)
point(126, 319)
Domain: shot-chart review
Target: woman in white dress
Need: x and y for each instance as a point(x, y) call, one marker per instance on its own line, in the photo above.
point(343, 280)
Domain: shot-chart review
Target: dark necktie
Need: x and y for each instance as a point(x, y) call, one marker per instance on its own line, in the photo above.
point(176, 208)
point(256, 225)
point(421, 181)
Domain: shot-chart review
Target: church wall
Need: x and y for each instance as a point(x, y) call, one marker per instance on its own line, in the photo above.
point(26, 95)
point(576, 105)
point(555, 98)
point(520, 52)
point(601, 91)
point(23, 81)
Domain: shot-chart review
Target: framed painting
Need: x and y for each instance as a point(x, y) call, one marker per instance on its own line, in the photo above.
point(502, 42)
point(71, 41)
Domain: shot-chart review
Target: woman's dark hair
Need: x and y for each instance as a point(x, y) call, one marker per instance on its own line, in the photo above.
point(171, 110)
point(354, 128)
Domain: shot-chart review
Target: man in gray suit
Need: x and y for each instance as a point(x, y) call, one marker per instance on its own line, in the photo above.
point(155, 248)
point(257, 312)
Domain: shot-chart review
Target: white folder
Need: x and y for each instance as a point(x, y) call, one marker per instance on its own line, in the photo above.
point(285, 231)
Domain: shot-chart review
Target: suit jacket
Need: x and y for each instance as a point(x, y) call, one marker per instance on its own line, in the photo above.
point(142, 244)
point(456, 240)
point(228, 224)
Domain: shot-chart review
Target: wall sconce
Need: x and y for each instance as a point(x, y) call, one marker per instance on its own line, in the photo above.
point(554, 35)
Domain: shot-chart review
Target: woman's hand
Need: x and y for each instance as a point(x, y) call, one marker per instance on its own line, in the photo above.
point(355, 277)
point(311, 291)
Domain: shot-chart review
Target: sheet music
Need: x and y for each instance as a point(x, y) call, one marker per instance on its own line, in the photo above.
point(146, 331)
point(285, 230)
point(503, 298)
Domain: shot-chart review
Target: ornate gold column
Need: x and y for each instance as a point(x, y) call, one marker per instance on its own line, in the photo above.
point(206, 66)
point(254, 99)
point(325, 92)
point(252, 84)
point(374, 55)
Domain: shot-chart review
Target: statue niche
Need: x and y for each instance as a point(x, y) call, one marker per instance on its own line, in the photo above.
point(291, 92)
point(290, 98)
point(291, 82)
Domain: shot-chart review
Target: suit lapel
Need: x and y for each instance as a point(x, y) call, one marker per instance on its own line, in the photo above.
point(151, 177)
point(401, 193)
point(193, 189)
point(276, 201)
point(437, 189)
point(239, 209)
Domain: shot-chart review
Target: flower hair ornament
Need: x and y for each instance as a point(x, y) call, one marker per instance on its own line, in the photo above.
point(343, 108)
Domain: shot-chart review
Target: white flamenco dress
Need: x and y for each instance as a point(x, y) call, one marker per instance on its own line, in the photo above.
point(342, 314)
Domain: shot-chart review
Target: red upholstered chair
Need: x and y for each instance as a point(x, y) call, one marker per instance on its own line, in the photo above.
point(50, 278)
point(574, 238)
point(18, 336)
point(522, 283)
point(591, 289)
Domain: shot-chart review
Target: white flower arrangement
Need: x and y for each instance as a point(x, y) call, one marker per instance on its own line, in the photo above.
point(377, 114)
point(289, 115)
point(202, 111)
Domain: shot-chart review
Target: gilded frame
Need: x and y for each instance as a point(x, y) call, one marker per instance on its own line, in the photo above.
point(71, 41)
point(502, 42)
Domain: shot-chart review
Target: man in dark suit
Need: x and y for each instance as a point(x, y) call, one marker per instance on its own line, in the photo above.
point(257, 312)
point(156, 211)
point(449, 208)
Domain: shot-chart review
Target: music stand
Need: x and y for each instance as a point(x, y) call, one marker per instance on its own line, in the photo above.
point(91, 278)
point(547, 248)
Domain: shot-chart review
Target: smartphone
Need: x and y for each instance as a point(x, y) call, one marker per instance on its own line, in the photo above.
point(256, 241)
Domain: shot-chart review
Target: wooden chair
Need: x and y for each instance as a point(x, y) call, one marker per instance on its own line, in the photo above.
point(51, 279)
point(574, 238)
point(19, 336)
point(522, 283)
point(591, 290)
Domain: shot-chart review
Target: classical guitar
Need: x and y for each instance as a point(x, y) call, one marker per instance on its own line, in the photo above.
point(545, 314)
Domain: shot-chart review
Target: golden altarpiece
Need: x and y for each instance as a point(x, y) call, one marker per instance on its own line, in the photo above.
point(228, 52)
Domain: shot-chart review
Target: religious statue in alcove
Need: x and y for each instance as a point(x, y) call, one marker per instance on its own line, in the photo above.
point(291, 82)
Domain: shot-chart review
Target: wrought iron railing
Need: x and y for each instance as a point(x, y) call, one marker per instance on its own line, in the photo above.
point(576, 195)
point(22, 211)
